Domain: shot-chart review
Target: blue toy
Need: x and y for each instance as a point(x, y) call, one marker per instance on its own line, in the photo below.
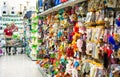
point(40, 3)
point(57, 2)
point(118, 22)
point(111, 40)
point(76, 64)
point(59, 34)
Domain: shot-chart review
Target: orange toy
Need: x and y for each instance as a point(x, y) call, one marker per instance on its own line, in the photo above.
point(37, 62)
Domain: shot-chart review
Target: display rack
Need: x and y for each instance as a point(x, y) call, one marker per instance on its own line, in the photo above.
point(34, 38)
point(18, 21)
point(60, 6)
point(27, 36)
point(86, 36)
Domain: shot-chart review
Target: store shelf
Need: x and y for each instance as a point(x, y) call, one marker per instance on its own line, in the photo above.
point(43, 72)
point(32, 58)
point(60, 6)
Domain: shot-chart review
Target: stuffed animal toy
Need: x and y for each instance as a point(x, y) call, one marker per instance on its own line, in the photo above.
point(64, 23)
point(118, 21)
point(63, 63)
point(51, 67)
point(114, 43)
point(75, 66)
point(116, 37)
point(50, 3)
point(55, 27)
point(100, 17)
point(76, 28)
point(63, 1)
point(73, 18)
point(57, 2)
point(90, 19)
point(91, 7)
point(118, 53)
point(74, 72)
point(52, 57)
point(79, 44)
point(77, 10)
point(76, 63)
point(111, 3)
point(69, 67)
point(82, 30)
point(59, 53)
point(74, 42)
point(69, 52)
point(48, 19)
point(89, 33)
point(40, 6)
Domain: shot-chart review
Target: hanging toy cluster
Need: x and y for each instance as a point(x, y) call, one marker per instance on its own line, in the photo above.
point(80, 41)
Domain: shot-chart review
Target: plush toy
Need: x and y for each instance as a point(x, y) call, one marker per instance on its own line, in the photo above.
point(74, 72)
point(79, 44)
point(52, 57)
point(50, 3)
point(57, 2)
point(77, 10)
point(91, 7)
point(90, 19)
point(48, 19)
point(116, 37)
point(76, 28)
point(55, 27)
point(69, 51)
point(118, 53)
point(44, 62)
point(73, 18)
point(59, 33)
point(75, 66)
point(118, 21)
point(63, 1)
point(51, 67)
point(74, 45)
point(64, 23)
point(89, 34)
point(76, 63)
point(69, 67)
point(114, 43)
point(63, 63)
point(100, 17)
point(111, 3)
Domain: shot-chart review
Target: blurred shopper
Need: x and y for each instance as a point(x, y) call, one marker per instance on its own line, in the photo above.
point(8, 37)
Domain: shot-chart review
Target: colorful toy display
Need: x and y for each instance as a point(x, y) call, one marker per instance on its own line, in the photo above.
point(80, 41)
point(32, 37)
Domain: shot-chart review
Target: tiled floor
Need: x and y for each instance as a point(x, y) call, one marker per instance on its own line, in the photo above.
point(18, 66)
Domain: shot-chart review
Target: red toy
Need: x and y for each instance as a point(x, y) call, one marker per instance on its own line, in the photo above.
point(64, 1)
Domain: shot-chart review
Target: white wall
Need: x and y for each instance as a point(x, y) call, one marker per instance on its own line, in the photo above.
point(16, 3)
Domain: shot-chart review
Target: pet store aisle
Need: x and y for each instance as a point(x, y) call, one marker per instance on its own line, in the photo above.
point(18, 66)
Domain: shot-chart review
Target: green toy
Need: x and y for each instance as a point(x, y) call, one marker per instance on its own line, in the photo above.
point(52, 55)
point(40, 41)
point(33, 37)
point(34, 46)
point(34, 31)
